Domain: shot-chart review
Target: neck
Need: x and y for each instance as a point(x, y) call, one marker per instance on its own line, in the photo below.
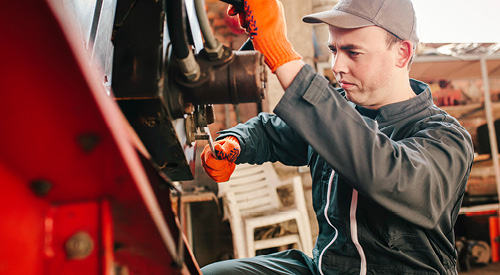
point(402, 89)
point(398, 91)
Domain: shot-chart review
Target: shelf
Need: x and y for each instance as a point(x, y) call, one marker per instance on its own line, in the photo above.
point(480, 208)
point(469, 111)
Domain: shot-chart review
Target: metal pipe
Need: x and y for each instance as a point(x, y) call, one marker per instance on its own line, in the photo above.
point(210, 40)
point(490, 121)
point(239, 79)
point(213, 47)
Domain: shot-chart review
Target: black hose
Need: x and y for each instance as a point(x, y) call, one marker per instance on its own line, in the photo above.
point(176, 28)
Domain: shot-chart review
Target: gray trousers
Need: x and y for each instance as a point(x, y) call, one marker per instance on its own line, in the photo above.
point(286, 262)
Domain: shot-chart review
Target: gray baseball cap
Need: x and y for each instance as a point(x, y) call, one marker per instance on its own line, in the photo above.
point(395, 16)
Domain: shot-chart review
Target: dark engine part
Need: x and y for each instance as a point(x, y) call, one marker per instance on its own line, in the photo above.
point(159, 91)
point(138, 81)
point(239, 77)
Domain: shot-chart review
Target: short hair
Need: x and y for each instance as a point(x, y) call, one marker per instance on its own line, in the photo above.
point(391, 39)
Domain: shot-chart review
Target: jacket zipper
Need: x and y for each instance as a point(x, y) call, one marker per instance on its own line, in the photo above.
point(354, 231)
point(354, 228)
point(328, 220)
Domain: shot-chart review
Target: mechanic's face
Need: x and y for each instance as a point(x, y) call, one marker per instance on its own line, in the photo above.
point(363, 64)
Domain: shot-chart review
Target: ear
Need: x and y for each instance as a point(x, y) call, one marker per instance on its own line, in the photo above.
point(404, 54)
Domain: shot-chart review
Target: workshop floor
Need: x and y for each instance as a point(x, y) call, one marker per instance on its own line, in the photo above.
point(490, 269)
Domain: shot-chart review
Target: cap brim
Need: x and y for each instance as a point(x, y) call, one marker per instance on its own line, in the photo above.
point(338, 19)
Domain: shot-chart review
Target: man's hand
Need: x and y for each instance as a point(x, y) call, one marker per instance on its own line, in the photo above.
point(227, 150)
point(264, 21)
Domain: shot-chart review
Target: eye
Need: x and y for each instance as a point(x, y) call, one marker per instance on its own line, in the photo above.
point(353, 53)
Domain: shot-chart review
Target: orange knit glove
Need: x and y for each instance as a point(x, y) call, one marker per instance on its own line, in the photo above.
point(264, 21)
point(227, 151)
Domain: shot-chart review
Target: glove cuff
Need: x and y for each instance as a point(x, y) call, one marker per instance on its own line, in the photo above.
point(232, 138)
point(277, 50)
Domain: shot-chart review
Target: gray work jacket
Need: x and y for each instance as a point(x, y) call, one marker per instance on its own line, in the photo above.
point(386, 191)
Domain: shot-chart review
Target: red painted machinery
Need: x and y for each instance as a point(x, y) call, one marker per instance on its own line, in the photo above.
point(94, 129)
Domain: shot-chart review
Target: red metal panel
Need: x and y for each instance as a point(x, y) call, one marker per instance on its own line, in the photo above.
point(22, 226)
point(79, 238)
point(494, 223)
point(106, 234)
point(74, 239)
point(66, 148)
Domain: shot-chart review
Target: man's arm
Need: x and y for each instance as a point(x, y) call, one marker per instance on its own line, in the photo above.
point(287, 72)
point(267, 138)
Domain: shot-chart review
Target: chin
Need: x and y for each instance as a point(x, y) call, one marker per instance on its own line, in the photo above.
point(351, 98)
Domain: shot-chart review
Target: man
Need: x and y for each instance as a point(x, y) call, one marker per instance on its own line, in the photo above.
point(389, 168)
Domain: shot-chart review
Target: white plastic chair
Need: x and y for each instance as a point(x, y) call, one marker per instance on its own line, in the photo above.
point(251, 201)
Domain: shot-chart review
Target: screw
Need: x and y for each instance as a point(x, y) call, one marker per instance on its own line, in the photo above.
point(151, 123)
point(88, 141)
point(41, 187)
point(79, 246)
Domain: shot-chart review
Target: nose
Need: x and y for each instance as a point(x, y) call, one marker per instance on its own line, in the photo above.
point(338, 64)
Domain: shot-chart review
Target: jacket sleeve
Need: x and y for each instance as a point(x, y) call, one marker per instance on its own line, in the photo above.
point(267, 138)
point(417, 178)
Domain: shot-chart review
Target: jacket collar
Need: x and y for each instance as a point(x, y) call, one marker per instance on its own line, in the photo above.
point(402, 109)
